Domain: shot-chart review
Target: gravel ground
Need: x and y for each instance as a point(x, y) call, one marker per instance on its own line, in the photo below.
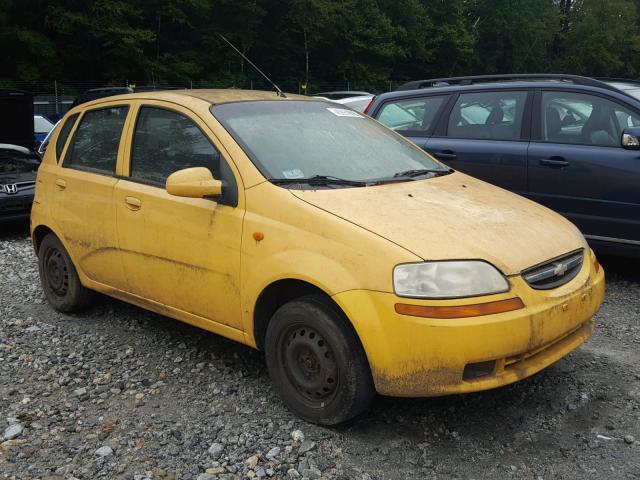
point(118, 392)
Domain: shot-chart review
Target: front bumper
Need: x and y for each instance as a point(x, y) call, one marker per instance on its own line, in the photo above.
point(415, 356)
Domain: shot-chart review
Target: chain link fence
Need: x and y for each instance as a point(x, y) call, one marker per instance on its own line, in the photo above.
point(54, 98)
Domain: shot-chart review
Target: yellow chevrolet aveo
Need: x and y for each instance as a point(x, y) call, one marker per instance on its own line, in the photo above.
point(355, 261)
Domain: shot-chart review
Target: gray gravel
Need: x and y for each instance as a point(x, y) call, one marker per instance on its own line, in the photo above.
point(118, 392)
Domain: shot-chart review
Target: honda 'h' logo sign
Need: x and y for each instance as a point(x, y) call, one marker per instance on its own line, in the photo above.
point(11, 188)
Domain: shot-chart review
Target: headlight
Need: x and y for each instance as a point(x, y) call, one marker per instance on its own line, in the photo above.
point(451, 279)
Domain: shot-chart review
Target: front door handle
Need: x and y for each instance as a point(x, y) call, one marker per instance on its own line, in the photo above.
point(61, 184)
point(557, 162)
point(132, 203)
point(445, 155)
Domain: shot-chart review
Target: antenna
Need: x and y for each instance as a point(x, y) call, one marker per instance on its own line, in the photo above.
point(280, 92)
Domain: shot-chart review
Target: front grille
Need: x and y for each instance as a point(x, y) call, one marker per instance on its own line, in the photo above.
point(13, 188)
point(554, 273)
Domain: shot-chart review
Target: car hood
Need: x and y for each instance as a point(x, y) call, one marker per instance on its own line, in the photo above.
point(16, 177)
point(17, 164)
point(454, 217)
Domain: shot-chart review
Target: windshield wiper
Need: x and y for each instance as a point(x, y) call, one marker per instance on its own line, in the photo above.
point(319, 180)
point(420, 172)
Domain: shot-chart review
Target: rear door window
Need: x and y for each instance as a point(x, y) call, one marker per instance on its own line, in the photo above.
point(95, 144)
point(488, 115)
point(411, 115)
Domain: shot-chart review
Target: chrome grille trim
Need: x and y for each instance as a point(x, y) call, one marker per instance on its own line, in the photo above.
point(18, 187)
point(555, 272)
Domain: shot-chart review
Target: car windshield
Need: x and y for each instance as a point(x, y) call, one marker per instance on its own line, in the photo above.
point(289, 140)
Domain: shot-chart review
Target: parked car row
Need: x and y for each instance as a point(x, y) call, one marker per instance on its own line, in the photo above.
point(570, 143)
point(356, 261)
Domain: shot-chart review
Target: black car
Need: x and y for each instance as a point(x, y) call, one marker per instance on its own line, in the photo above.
point(95, 93)
point(568, 142)
point(18, 168)
point(18, 162)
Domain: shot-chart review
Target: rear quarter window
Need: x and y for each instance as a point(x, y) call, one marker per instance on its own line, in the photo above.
point(64, 134)
point(414, 114)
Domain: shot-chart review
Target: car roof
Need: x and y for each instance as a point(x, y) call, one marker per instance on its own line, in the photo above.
point(609, 88)
point(212, 96)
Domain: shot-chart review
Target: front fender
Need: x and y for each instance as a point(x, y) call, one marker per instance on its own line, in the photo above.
point(323, 272)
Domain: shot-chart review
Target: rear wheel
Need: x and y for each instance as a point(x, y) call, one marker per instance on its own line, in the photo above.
point(316, 361)
point(59, 277)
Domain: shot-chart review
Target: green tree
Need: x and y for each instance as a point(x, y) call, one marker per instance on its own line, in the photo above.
point(603, 39)
point(450, 39)
point(513, 36)
point(99, 39)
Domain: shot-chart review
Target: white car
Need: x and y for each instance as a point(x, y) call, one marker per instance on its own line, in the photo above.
point(358, 103)
point(41, 127)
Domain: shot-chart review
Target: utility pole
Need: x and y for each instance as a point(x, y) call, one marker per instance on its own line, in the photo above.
point(55, 90)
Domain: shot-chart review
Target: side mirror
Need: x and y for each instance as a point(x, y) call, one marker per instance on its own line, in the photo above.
point(631, 138)
point(196, 182)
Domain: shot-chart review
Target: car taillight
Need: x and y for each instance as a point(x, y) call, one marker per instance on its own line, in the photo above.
point(366, 110)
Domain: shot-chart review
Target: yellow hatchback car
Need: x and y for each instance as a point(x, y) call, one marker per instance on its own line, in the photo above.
point(354, 260)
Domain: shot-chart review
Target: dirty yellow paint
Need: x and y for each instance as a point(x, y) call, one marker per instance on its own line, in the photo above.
point(413, 356)
point(205, 263)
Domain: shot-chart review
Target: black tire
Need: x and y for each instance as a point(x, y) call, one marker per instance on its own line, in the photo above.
point(59, 277)
point(317, 362)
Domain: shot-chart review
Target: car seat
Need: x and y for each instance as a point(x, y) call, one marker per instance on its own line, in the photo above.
point(553, 125)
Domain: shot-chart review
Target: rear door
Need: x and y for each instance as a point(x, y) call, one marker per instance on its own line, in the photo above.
point(485, 134)
point(83, 192)
point(414, 117)
point(578, 167)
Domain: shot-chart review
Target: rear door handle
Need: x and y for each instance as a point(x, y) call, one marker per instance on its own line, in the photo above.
point(554, 162)
point(132, 203)
point(445, 155)
point(61, 184)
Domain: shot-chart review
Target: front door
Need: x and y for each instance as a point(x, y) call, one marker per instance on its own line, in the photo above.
point(578, 168)
point(179, 252)
point(83, 194)
point(485, 135)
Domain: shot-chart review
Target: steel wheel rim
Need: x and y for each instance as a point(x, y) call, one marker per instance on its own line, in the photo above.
point(309, 364)
point(56, 272)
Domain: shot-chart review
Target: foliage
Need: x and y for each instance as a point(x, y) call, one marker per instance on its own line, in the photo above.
point(321, 42)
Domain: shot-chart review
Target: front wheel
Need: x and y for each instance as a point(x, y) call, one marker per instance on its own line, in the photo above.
point(59, 277)
point(317, 362)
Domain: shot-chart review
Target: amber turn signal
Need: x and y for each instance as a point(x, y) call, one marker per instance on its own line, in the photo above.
point(258, 236)
point(460, 311)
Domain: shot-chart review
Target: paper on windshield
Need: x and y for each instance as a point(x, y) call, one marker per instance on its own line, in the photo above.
point(342, 112)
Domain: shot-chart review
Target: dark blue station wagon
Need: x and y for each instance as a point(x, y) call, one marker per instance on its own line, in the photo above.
point(568, 142)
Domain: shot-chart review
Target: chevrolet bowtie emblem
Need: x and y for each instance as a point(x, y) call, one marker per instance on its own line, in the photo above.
point(560, 269)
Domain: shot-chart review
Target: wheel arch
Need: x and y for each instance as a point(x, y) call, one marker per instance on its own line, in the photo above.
point(282, 291)
point(38, 235)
